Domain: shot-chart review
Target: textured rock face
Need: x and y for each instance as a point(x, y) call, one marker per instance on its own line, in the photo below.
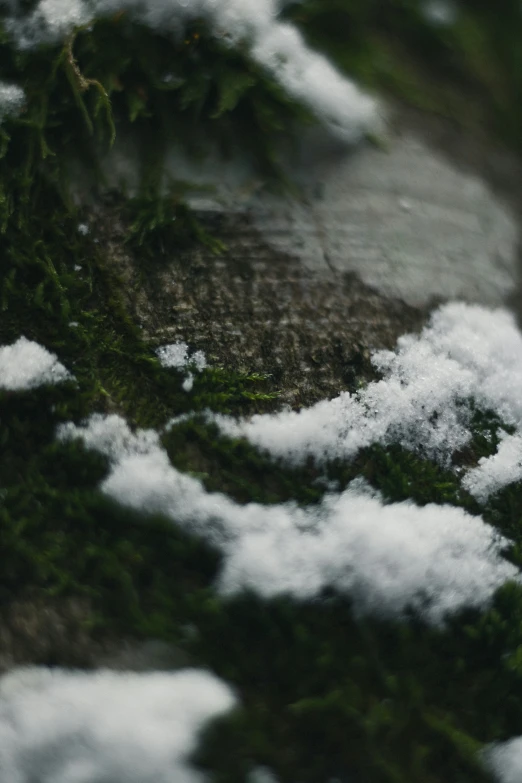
point(256, 309)
point(311, 283)
point(406, 221)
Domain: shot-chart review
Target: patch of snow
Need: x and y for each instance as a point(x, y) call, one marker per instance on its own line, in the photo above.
point(26, 365)
point(12, 99)
point(50, 21)
point(441, 13)
point(88, 727)
point(199, 360)
point(173, 355)
point(261, 775)
point(465, 352)
point(188, 383)
point(177, 355)
point(495, 472)
point(435, 558)
point(278, 47)
point(505, 760)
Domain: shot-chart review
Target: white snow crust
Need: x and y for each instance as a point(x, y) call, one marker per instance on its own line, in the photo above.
point(177, 355)
point(435, 558)
point(278, 47)
point(26, 365)
point(59, 726)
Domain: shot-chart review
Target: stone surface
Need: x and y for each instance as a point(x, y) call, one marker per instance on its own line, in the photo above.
point(256, 309)
point(37, 629)
point(405, 220)
point(313, 282)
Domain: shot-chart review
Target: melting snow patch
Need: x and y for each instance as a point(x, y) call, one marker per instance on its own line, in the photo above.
point(79, 727)
point(465, 352)
point(435, 558)
point(278, 47)
point(26, 365)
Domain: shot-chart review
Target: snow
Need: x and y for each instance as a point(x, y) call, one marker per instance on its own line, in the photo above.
point(466, 352)
point(188, 383)
point(386, 557)
point(277, 46)
point(495, 472)
point(12, 99)
point(173, 355)
point(261, 775)
point(505, 760)
point(82, 727)
point(26, 365)
point(441, 13)
point(177, 355)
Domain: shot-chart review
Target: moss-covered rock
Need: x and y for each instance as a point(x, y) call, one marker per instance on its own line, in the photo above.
point(323, 694)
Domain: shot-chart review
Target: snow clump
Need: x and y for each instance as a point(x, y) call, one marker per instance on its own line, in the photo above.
point(177, 355)
point(12, 99)
point(441, 13)
point(276, 46)
point(466, 352)
point(494, 473)
point(89, 727)
point(386, 557)
point(505, 760)
point(26, 365)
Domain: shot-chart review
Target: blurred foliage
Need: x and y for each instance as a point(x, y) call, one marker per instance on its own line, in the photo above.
point(469, 70)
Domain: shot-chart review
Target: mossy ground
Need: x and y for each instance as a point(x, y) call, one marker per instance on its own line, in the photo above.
point(322, 694)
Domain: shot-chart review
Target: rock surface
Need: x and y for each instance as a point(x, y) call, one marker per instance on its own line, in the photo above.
point(311, 283)
point(405, 220)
